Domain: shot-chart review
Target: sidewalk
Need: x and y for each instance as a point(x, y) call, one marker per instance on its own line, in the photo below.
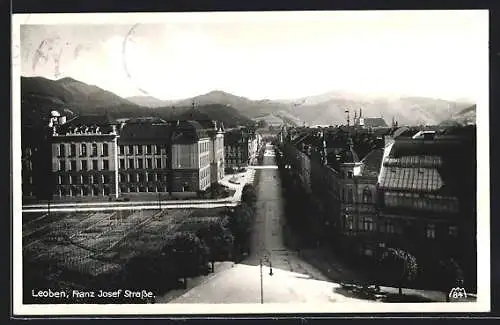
point(244, 178)
point(194, 282)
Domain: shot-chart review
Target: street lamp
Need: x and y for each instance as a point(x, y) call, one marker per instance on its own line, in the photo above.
point(262, 278)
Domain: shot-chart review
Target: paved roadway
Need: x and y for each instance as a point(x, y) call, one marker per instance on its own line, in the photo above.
point(293, 280)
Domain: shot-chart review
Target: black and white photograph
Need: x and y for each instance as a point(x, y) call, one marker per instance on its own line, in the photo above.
point(250, 162)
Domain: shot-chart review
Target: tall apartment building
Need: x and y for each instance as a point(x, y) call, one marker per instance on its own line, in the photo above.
point(415, 193)
point(144, 157)
point(427, 196)
point(241, 147)
point(95, 156)
point(84, 158)
point(190, 157)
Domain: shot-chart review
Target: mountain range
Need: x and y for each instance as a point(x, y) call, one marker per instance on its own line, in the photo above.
point(40, 95)
point(329, 108)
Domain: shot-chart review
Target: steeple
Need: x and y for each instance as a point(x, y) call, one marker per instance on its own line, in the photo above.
point(325, 149)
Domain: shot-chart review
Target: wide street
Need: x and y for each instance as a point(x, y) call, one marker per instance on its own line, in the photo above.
point(292, 279)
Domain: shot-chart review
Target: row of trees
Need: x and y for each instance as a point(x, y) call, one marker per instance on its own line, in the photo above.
point(394, 266)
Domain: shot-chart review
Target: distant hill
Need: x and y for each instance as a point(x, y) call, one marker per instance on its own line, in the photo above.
point(247, 107)
point(41, 95)
point(251, 109)
point(224, 113)
point(149, 101)
point(330, 108)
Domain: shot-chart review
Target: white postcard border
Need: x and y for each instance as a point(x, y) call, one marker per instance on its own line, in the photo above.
point(483, 195)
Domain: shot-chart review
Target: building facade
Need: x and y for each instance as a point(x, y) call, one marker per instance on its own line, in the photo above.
point(93, 156)
point(84, 157)
point(144, 157)
point(241, 147)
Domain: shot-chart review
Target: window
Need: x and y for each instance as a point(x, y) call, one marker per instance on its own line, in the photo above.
point(149, 163)
point(62, 150)
point(157, 149)
point(130, 149)
point(140, 163)
point(350, 222)
point(367, 224)
point(62, 165)
point(105, 149)
point(84, 165)
point(388, 226)
point(121, 150)
point(453, 231)
point(350, 196)
point(73, 165)
point(367, 196)
point(131, 163)
point(85, 179)
point(105, 179)
point(139, 149)
point(83, 150)
point(349, 174)
point(122, 163)
point(141, 178)
point(158, 163)
point(94, 165)
point(105, 164)
point(94, 149)
point(431, 231)
point(148, 149)
point(72, 150)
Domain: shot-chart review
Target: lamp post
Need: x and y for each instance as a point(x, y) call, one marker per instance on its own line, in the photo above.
point(262, 279)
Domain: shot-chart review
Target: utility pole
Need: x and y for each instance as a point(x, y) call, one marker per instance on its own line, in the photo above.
point(261, 284)
point(262, 278)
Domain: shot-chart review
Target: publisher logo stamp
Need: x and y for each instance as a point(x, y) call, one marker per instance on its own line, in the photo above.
point(457, 294)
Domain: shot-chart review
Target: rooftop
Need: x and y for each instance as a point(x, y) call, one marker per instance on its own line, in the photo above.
point(438, 166)
point(372, 163)
point(140, 131)
point(188, 131)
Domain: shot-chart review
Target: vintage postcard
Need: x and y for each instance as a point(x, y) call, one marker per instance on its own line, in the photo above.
point(250, 162)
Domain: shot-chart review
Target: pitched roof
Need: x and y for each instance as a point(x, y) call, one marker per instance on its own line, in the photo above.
point(372, 163)
point(421, 166)
point(373, 122)
point(186, 132)
point(103, 122)
point(140, 131)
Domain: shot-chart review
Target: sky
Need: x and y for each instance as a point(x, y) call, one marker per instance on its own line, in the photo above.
point(263, 55)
